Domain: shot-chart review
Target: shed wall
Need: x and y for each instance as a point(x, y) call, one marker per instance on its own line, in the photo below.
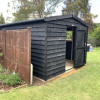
point(38, 43)
point(56, 49)
point(56, 45)
point(70, 22)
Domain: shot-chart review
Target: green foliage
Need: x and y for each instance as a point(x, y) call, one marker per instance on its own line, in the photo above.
point(23, 10)
point(95, 33)
point(7, 78)
point(3, 70)
point(1, 66)
point(28, 9)
point(13, 79)
point(69, 34)
point(2, 78)
point(96, 25)
point(76, 7)
point(80, 8)
point(2, 20)
point(1, 54)
point(3, 74)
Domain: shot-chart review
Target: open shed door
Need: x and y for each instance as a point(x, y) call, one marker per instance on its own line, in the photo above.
point(80, 48)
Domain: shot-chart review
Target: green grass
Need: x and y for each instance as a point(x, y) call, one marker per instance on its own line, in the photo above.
point(83, 85)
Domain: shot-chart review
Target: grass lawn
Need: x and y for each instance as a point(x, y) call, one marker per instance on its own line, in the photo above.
point(83, 85)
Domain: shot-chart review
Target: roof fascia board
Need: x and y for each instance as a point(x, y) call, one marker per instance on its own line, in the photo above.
point(52, 18)
point(78, 19)
point(22, 22)
point(57, 17)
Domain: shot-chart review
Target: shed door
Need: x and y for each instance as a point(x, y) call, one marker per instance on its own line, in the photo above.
point(80, 48)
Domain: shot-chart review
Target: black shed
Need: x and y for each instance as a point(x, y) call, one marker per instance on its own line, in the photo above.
point(50, 51)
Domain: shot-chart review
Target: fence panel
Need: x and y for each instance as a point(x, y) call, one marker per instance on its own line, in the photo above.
point(16, 47)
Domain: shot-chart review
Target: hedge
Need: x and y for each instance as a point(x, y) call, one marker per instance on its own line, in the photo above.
point(94, 41)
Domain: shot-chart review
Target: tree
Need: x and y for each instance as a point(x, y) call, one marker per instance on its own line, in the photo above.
point(2, 20)
point(76, 7)
point(23, 10)
point(95, 33)
point(28, 9)
point(80, 8)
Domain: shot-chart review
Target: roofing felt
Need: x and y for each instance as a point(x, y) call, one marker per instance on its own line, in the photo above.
point(45, 19)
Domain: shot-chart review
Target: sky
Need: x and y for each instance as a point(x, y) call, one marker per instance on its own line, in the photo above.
point(95, 9)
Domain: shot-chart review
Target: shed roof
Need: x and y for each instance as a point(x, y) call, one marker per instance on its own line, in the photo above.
point(45, 19)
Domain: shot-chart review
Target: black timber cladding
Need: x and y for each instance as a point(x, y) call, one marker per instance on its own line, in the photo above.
point(48, 42)
point(38, 44)
point(56, 48)
point(56, 38)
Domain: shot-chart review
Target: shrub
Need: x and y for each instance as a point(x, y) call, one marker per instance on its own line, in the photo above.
point(2, 78)
point(95, 33)
point(10, 79)
point(3, 70)
point(1, 54)
point(13, 79)
point(1, 66)
point(6, 77)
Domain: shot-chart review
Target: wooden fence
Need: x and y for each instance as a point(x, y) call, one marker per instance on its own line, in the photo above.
point(16, 48)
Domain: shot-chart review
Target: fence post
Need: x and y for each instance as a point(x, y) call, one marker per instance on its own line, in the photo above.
point(31, 66)
point(31, 75)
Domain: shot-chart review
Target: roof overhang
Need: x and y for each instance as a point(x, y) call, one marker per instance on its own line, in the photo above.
point(45, 19)
point(64, 17)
